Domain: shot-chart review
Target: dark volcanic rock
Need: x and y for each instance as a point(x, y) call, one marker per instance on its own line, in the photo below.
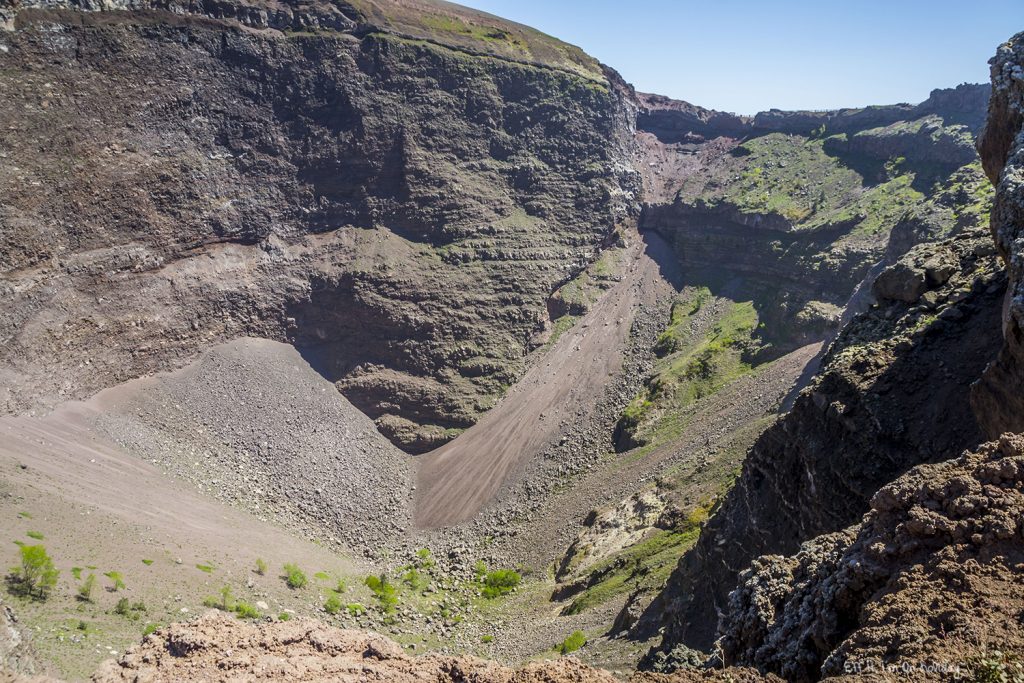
point(998, 400)
point(933, 568)
point(892, 393)
point(399, 210)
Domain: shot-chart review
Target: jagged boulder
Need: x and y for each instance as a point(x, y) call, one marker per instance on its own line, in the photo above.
point(926, 583)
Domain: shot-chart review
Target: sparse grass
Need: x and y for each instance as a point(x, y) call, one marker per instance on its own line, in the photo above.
point(690, 369)
point(646, 564)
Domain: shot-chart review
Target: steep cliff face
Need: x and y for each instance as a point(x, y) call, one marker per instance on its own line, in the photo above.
point(893, 392)
point(395, 190)
point(997, 398)
point(795, 207)
point(899, 386)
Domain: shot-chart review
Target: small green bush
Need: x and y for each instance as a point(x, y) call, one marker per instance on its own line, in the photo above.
point(261, 566)
point(284, 616)
point(147, 562)
point(355, 609)
point(122, 607)
point(85, 590)
point(340, 587)
point(479, 569)
point(36, 576)
point(246, 611)
point(116, 581)
point(150, 628)
point(385, 592)
point(35, 534)
point(415, 579)
point(332, 605)
point(574, 642)
point(226, 599)
point(208, 568)
point(487, 639)
point(293, 576)
point(499, 582)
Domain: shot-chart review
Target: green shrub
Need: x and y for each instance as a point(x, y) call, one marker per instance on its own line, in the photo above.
point(293, 576)
point(340, 587)
point(995, 666)
point(150, 628)
point(35, 534)
point(355, 609)
point(208, 568)
point(415, 579)
point(499, 582)
point(246, 611)
point(77, 573)
point(284, 616)
point(575, 641)
point(261, 566)
point(82, 626)
point(36, 576)
point(479, 569)
point(147, 562)
point(385, 592)
point(85, 590)
point(122, 607)
point(487, 639)
point(425, 559)
point(116, 581)
point(332, 605)
point(226, 599)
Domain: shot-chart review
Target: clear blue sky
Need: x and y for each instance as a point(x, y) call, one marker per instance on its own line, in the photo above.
point(745, 56)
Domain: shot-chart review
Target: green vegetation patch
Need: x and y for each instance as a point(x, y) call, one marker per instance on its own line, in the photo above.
point(690, 369)
point(573, 642)
point(644, 565)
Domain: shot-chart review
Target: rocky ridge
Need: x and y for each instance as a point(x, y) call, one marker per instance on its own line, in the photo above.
point(888, 387)
point(400, 181)
point(937, 556)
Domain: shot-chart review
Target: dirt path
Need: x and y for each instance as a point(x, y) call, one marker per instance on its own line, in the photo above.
point(455, 481)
